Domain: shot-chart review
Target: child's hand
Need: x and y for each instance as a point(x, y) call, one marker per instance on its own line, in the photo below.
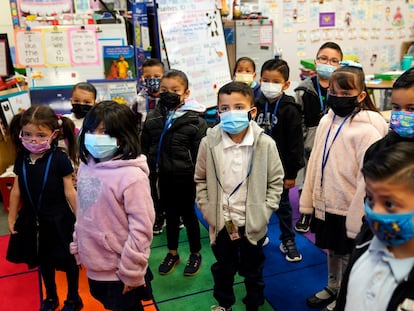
point(11, 227)
point(127, 289)
point(289, 183)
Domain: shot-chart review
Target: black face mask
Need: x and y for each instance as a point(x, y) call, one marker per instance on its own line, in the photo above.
point(342, 106)
point(170, 100)
point(80, 110)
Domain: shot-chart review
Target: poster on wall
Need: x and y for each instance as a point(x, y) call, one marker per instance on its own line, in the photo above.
point(195, 43)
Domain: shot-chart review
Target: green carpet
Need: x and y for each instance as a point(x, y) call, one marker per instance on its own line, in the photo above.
point(178, 292)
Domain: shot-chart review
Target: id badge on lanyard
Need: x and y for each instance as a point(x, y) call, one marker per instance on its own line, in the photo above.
point(320, 207)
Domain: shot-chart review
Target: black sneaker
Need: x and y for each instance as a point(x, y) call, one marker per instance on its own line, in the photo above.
point(193, 265)
point(289, 248)
point(158, 226)
point(72, 305)
point(49, 304)
point(168, 264)
point(303, 224)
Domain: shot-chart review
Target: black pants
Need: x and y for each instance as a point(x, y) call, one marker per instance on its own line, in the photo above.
point(238, 256)
point(72, 277)
point(284, 213)
point(178, 200)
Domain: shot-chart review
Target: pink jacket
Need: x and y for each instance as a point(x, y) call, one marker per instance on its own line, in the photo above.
point(343, 187)
point(115, 216)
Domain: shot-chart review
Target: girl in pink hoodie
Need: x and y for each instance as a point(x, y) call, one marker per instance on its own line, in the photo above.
point(115, 215)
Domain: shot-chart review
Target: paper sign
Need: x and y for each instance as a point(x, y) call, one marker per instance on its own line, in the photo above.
point(83, 46)
point(29, 50)
point(56, 48)
point(3, 58)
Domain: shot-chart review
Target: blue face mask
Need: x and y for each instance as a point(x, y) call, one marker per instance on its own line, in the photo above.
point(152, 85)
point(391, 229)
point(234, 121)
point(324, 70)
point(402, 123)
point(100, 146)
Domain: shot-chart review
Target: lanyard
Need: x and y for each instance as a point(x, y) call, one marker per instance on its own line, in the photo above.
point(323, 108)
point(326, 149)
point(39, 201)
point(267, 131)
point(167, 125)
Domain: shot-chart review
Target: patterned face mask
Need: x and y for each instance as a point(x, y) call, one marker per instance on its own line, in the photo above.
point(152, 85)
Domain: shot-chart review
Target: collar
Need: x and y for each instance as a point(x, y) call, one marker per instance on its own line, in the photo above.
point(248, 139)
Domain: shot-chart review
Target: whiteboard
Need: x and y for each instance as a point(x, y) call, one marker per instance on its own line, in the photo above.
point(64, 74)
point(194, 43)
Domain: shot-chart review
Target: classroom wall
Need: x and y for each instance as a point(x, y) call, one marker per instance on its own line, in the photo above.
point(5, 20)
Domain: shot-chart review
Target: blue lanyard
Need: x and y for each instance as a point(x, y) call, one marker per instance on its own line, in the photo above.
point(323, 108)
point(326, 149)
point(39, 201)
point(167, 125)
point(267, 131)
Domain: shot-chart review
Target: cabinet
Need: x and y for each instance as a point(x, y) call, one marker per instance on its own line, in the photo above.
point(254, 39)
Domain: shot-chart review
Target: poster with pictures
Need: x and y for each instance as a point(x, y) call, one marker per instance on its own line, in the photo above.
point(119, 62)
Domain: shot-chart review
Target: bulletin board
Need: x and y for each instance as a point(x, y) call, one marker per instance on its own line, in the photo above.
point(194, 43)
point(65, 55)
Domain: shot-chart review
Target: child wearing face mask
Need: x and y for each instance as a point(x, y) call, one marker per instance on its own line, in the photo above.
point(280, 117)
point(239, 179)
point(311, 95)
point(170, 139)
point(382, 267)
point(115, 214)
point(245, 71)
point(82, 99)
point(42, 228)
point(148, 96)
point(334, 187)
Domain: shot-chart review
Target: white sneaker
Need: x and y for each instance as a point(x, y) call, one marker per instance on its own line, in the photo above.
point(219, 308)
point(331, 306)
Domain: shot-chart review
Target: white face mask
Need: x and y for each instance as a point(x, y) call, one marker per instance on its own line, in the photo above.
point(244, 77)
point(271, 90)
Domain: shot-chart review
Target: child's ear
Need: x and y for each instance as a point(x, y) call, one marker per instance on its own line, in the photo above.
point(186, 93)
point(252, 113)
point(286, 85)
point(361, 97)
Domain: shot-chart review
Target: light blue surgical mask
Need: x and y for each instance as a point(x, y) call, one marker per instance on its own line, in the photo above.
point(402, 122)
point(324, 70)
point(100, 146)
point(234, 121)
point(391, 229)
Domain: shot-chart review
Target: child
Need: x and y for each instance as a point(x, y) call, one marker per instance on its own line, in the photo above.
point(280, 117)
point(152, 72)
point(334, 186)
point(239, 179)
point(311, 95)
point(115, 215)
point(383, 268)
point(42, 229)
point(245, 71)
point(402, 108)
point(82, 100)
point(170, 139)
point(123, 67)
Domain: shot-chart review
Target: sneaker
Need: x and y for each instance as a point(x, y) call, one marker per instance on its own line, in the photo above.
point(266, 241)
point(193, 265)
point(49, 304)
point(181, 225)
point(321, 299)
point(220, 308)
point(331, 306)
point(303, 224)
point(289, 248)
point(158, 226)
point(72, 305)
point(168, 264)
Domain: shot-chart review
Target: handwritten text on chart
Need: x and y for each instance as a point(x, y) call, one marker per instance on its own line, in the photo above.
point(29, 48)
point(57, 50)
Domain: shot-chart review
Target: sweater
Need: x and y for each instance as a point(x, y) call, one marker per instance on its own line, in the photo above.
point(343, 188)
point(264, 184)
point(115, 216)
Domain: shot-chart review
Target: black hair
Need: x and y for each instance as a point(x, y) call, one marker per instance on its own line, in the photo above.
point(349, 78)
point(244, 59)
point(331, 45)
point(276, 64)
point(119, 122)
point(394, 163)
point(174, 73)
point(42, 115)
point(86, 86)
point(14, 132)
point(237, 87)
point(152, 62)
point(405, 81)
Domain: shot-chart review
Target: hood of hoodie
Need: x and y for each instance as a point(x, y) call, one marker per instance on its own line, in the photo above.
point(139, 162)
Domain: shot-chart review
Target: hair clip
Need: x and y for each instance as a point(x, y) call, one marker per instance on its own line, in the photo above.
point(350, 63)
point(59, 117)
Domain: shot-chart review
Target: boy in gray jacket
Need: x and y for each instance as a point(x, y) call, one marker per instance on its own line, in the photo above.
point(239, 179)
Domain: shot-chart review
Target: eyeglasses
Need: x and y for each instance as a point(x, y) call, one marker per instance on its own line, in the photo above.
point(325, 60)
point(27, 137)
